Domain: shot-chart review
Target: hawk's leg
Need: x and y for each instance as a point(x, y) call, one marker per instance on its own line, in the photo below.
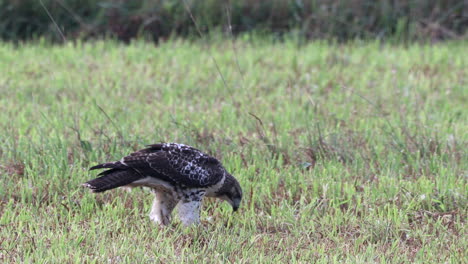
point(163, 205)
point(189, 207)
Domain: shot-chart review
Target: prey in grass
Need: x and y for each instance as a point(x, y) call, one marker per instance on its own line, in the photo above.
point(177, 174)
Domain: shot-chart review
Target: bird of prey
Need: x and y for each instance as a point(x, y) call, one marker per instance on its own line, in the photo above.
point(177, 174)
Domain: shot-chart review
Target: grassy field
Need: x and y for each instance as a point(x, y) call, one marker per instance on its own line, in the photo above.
point(346, 153)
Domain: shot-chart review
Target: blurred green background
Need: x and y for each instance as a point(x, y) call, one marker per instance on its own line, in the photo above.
point(395, 20)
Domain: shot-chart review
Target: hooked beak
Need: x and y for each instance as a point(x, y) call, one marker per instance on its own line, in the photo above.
point(235, 204)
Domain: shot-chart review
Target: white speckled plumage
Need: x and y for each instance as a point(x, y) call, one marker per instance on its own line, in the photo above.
point(179, 175)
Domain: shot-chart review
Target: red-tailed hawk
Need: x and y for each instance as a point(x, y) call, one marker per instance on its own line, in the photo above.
point(177, 175)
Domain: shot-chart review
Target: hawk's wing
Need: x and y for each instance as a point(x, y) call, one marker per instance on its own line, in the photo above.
point(174, 163)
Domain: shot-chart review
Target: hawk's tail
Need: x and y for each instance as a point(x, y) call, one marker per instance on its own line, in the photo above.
point(110, 165)
point(111, 179)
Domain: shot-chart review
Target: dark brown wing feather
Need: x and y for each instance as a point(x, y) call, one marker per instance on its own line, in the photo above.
point(111, 179)
point(174, 163)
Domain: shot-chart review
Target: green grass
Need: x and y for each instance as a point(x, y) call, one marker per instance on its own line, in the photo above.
point(346, 153)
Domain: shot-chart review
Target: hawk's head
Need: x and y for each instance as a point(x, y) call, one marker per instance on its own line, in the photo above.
point(231, 192)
